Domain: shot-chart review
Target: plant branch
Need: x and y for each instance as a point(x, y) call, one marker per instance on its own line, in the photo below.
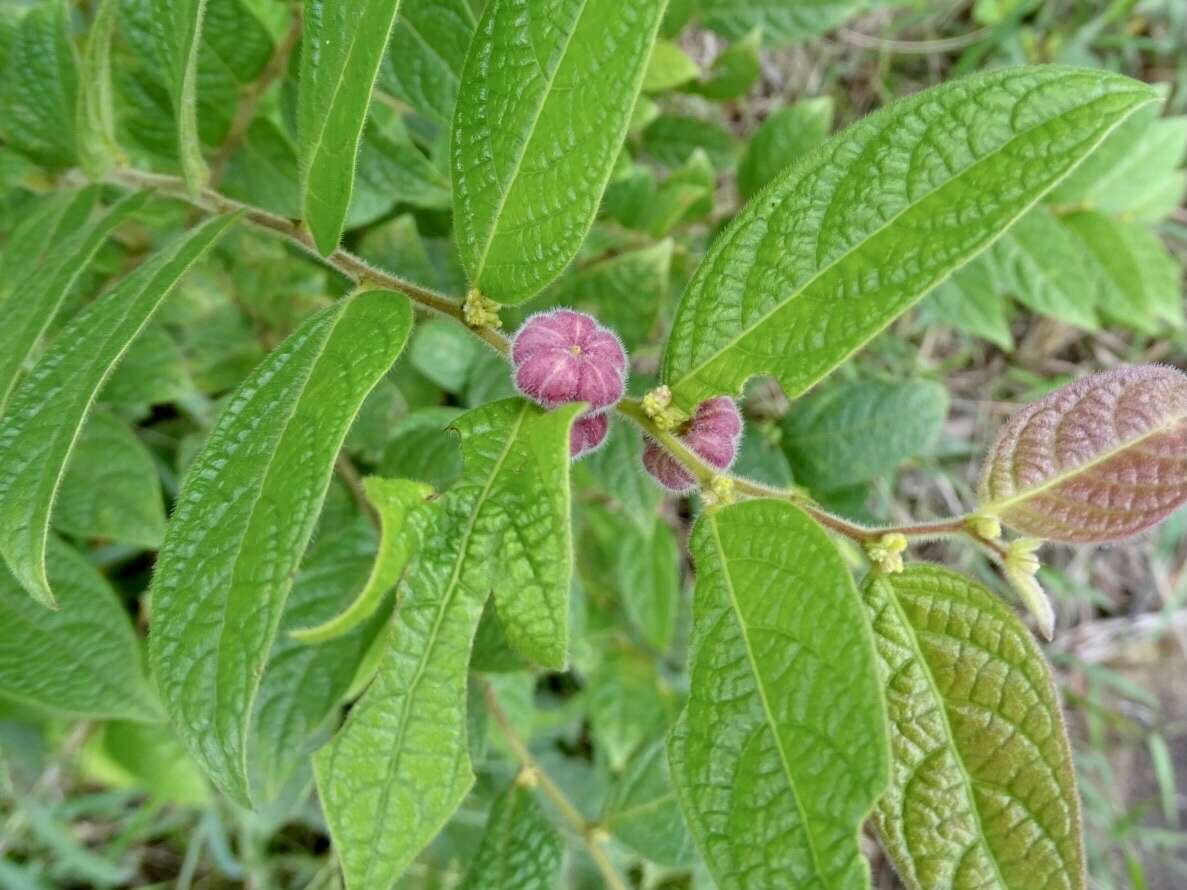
point(590, 833)
point(365, 275)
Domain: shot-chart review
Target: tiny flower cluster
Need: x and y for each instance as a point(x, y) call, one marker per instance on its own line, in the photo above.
point(564, 356)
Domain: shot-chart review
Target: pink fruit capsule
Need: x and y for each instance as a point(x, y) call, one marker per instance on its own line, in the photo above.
point(713, 434)
point(565, 356)
point(588, 434)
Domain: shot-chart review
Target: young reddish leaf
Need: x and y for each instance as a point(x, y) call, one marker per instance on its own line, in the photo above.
point(1097, 460)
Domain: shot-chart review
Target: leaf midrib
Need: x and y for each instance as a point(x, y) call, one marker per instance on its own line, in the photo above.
point(446, 602)
point(762, 695)
point(480, 265)
point(693, 371)
point(950, 737)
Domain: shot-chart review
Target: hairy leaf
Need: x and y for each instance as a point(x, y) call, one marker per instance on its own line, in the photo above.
point(858, 431)
point(400, 766)
point(343, 46)
point(44, 222)
point(302, 686)
point(544, 104)
point(48, 409)
point(403, 515)
point(153, 372)
point(82, 659)
point(426, 55)
point(520, 847)
point(1097, 460)
point(35, 299)
point(110, 489)
point(982, 790)
point(245, 515)
point(39, 86)
point(784, 138)
point(841, 243)
point(177, 31)
point(782, 748)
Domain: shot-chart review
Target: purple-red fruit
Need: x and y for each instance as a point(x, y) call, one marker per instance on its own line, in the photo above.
point(713, 435)
point(565, 356)
point(588, 434)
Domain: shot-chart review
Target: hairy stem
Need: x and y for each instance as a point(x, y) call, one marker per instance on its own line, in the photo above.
point(589, 832)
point(364, 274)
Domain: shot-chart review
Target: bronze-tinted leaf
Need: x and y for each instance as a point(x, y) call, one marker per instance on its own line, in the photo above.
point(1097, 460)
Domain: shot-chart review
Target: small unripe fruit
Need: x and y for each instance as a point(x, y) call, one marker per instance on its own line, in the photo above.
point(565, 356)
point(713, 435)
point(588, 434)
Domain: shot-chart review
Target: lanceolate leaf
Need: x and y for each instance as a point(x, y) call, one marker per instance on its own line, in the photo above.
point(177, 32)
point(545, 100)
point(48, 409)
point(1096, 460)
point(982, 790)
point(841, 243)
point(401, 765)
point(642, 810)
point(403, 514)
point(33, 301)
point(342, 48)
point(782, 748)
point(83, 659)
point(520, 847)
point(244, 518)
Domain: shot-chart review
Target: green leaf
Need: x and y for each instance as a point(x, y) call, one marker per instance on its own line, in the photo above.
point(784, 138)
point(1135, 173)
point(97, 145)
point(263, 171)
point(44, 222)
point(649, 567)
point(392, 170)
point(982, 789)
point(400, 766)
point(296, 705)
point(1127, 268)
point(49, 407)
point(110, 489)
point(970, 302)
point(672, 138)
point(443, 351)
point(615, 467)
point(177, 30)
point(668, 68)
point(82, 659)
point(627, 704)
point(856, 432)
point(520, 847)
point(245, 515)
point(543, 108)
point(642, 811)
point(782, 748)
point(153, 372)
point(148, 758)
point(343, 48)
point(780, 23)
point(1040, 263)
point(420, 448)
point(39, 87)
point(34, 300)
point(426, 54)
point(733, 72)
point(791, 287)
point(625, 292)
point(403, 515)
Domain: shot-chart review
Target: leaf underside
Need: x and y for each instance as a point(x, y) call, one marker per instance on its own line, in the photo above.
point(1097, 460)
